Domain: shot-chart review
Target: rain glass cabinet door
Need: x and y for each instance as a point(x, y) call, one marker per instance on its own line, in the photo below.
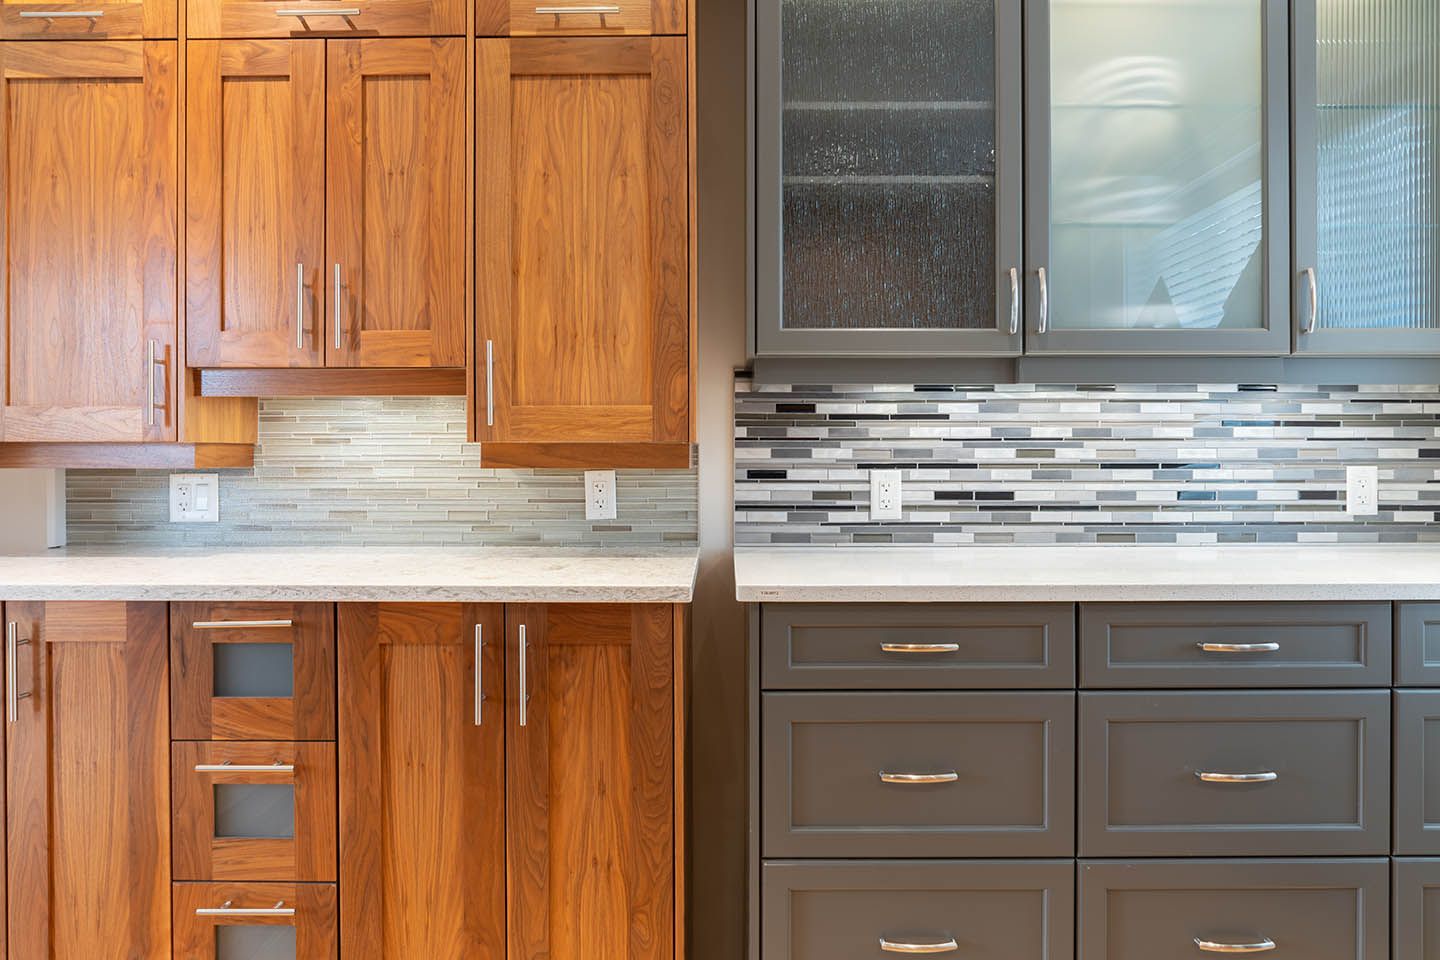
point(1367, 114)
point(1157, 173)
point(888, 177)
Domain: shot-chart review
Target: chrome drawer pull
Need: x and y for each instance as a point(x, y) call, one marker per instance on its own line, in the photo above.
point(920, 647)
point(1259, 946)
point(602, 10)
point(61, 14)
point(340, 12)
point(1269, 776)
point(1239, 647)
point(225, 910)
point(949, 776)
point(240, 624)
point(900, 946)
point(228, 767)
point(13, 696)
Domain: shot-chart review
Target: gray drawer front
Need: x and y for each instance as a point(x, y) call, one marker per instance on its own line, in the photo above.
point(1416, 897)
point(1128, 645)
point(1417, 773)
point(1142, 753)
point(1417, 651)
point(1012, 756)
point(1311, 909)
point(841, 910)
point(838, 646)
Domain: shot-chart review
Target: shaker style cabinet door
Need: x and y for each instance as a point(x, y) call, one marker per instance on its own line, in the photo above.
point(83, 20)
point(1367, 157)
point(583, 225)
point(1157, 163)
point(396, 203)
point(87, 799)
point(422, 796)
point(888, 178)
point(88, 245)
point(255, 204)
point(308, 19)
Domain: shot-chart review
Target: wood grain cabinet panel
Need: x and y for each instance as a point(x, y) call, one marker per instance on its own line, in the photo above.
point(88, 246)
point(422, 799)
point(79, 20)
point(87, 786)
point(255, 204)
point(220, 921)
point(306, 19)
point(582, 219)
point(610, 18)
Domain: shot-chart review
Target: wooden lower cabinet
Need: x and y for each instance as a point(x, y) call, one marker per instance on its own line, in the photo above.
point(224, 921)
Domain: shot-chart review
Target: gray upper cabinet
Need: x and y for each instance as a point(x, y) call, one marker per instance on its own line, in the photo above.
point(1367, 155)
point(1156, 181)
point(888, 178)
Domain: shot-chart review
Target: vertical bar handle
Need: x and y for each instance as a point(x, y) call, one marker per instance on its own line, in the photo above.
point(150, 352)
point(12, 699)
point(339, 312)
point(299, 306)
point(489, 383)
point(1044, 301)
point(1014, 301)
point(524, 693)
point(479, 664)
point(1313, 285)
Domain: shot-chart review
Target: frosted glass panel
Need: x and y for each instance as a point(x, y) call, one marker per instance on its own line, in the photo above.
point(255, 810)
point(888, 163)
point(1377, 91)
point(254, 943)
point(254, 669)
point(1157, 205)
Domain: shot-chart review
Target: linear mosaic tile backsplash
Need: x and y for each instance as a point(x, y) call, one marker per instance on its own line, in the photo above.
point(1084, 464)
point(381, 471)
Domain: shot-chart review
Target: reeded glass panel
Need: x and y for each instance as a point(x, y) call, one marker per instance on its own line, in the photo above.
point(1378, 90)
point(1157, 215)
point(255, 810)
point(254, 669)
point(888, 162)
point(254, 943)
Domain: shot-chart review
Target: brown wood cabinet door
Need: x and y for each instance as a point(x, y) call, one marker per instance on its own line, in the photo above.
point(221, 921)
point(582, 219)
point(422, 804)
point(357, 18)
point(79, 20)
point(255, 203)
point(590, 781)
point(87, 782)
point(88, 271)
point(397, 203)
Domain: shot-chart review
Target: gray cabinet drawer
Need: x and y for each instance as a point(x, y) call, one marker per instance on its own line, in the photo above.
point(1310, 909)
point(1124, 645)
point(840, 646)
point(1415, 894)
point(1153, 773)
point(1417, 772)
point(834, 772)
point(1417, 649)
point(843, 910)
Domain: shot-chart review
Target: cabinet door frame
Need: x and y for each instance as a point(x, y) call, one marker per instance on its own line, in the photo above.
point(772, 338)
point(1274, 339)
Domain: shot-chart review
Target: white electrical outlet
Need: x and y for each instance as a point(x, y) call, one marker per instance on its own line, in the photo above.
point(194, 498)
point(599, 494)
point(886, 497)
point(1362, 491)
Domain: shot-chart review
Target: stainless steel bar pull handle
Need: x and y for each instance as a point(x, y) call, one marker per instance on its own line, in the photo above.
point(524, 693)
point(948, 776)
point(1044, 301)
point(61, 14)
point(600, 9)
point(1259, 946)
point(12, 666)
point(339, 312)
point(226, 910)
point(332, 12)
point(1014, 301)
point(489, 383)
point(1239, 647)
point(228, 767)
point(240, 624)
point(902, 946)
point(920, 647)
point(1268, 776)
point(299, 306)
point(150, 351)
point(479, 666)
point(1313, 286)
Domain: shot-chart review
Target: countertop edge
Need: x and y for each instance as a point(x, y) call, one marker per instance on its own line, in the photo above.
point(1089, 594)
point(348, 593)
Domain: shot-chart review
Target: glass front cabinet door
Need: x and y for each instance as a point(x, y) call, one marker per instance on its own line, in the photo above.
point(1367, 147)
point(888, 178)
point(1157, 177)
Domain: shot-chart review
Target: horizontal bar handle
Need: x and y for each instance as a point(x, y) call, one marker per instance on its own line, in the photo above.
point(901, 946)
point(1259, 946)
point(61, 14)
point(949, 776)
point(1239, 647)
point(228, 767)
point(332, 12)
point(602, 10)
point(225, 910)
point(241, 624)
point(920, 647)
point(1268, 776)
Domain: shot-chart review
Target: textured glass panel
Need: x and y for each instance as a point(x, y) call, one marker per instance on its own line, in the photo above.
point(254, 669)
point(1157, 216)
point(255, 810)
point(888, 147)
point(254, 943)
point(1378, 91)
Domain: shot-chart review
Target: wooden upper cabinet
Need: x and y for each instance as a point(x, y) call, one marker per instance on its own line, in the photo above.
point(541, 18)
point(255, 204)
point(422, 804)
point(591, 781)
point(87, 782)
point(79, 20)
point(397, 225)
point(583, 225)
point(88, 336)
point(324, 18)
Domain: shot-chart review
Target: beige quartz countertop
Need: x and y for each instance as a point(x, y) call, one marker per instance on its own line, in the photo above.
point(1080, 573)
point(374, 574)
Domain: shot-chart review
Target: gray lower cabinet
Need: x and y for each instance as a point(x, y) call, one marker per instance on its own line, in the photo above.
point(1184, 909)
point(1415, 896)
point(1417, 645)
point(918, 774)
point(1253, 773)
point(1417, 772)
point(849, 910)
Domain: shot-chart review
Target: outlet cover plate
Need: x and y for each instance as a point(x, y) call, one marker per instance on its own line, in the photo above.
point(194, 498)
point(886, 495)
point(1362, 491)
point(599, 494)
